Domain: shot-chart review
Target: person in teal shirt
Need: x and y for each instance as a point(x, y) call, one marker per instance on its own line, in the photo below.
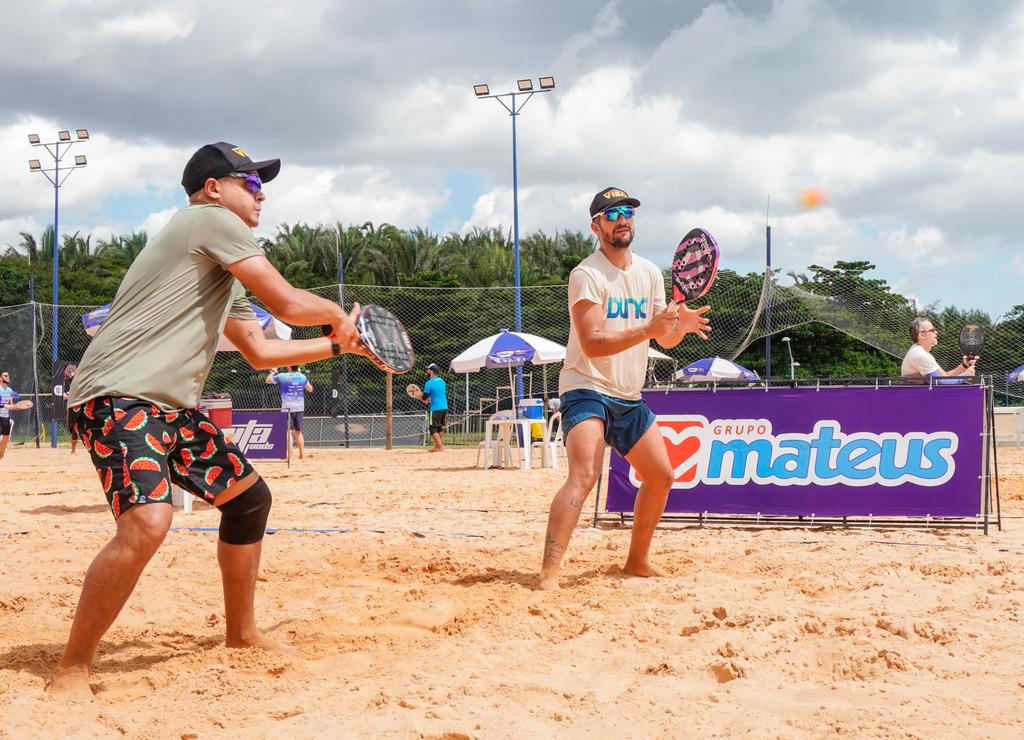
point(435, 392)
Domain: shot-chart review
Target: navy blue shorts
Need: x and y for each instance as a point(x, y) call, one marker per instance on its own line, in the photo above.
point(625, 422)
point(295, 420)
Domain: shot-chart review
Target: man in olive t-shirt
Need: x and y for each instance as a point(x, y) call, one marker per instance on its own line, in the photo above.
point(133, 403)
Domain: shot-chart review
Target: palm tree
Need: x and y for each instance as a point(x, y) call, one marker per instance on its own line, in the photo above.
point(35, 250)
point(123, 248)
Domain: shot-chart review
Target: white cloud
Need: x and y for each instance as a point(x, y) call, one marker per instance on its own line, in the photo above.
point(156, 221)
point(156, 26)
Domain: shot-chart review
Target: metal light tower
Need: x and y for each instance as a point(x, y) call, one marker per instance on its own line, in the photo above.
point(523, 88)
point(792, 365)
point(57, 150)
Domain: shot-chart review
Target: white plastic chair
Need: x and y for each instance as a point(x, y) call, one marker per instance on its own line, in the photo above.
point(500, 444)
point(552, 445)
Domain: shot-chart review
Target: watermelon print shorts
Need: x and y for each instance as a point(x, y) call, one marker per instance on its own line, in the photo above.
point(139, 450)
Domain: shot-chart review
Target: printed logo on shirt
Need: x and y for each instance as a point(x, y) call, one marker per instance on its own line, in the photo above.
point(619, 308)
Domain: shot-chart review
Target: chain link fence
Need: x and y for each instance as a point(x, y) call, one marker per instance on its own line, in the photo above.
point(349, 399)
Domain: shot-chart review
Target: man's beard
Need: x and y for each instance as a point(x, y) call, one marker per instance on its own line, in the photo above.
point(621, 241)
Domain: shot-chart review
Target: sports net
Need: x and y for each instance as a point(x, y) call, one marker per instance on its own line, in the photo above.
point(836, 319)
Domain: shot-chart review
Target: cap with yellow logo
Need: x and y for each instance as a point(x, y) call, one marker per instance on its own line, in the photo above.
point(220, 160)
point(610, 197)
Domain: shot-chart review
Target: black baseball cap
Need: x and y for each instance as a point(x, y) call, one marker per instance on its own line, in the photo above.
point(220, 160)
point(434, 367)
point(609, 198)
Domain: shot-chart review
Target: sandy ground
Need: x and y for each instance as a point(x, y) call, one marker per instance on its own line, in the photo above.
point(420, 620)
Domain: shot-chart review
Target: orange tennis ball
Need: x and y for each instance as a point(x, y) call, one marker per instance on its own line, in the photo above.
point(811, 198)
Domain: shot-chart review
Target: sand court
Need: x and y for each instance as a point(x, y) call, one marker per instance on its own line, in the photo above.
point(414, 615)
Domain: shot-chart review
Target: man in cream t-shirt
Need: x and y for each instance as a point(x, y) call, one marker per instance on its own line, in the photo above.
point(616, 306)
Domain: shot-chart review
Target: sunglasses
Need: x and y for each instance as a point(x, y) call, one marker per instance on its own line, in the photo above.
point(253, 183)
point(933, 331)
point(613, 214)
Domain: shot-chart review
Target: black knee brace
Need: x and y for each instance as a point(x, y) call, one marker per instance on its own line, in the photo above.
point(243, 519)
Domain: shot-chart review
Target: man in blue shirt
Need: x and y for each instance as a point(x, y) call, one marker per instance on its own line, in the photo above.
point(8, 396)
point(293, 386)
point(435, 392)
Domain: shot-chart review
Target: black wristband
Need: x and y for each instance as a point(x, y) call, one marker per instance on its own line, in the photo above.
point(965, 366)
point(335, 349)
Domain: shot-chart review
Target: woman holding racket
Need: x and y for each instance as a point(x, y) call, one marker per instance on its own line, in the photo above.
point(919, 363)
point(616, 306)
point(137, 387)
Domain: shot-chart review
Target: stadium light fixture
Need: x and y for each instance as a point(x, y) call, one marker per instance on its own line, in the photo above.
point(547, 83)
point(481, 90)
point(524, 85)
point(57, 149)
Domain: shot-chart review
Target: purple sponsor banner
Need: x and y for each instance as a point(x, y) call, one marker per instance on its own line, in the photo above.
point(854, 451)
point(260, 435)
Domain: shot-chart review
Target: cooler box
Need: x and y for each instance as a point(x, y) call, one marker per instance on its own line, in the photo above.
point(533, 408)
point(218, 410)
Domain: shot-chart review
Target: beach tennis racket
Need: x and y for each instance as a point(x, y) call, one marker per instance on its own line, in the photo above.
point(384, 338)
point(694, 266)
point(22, 405)
point(414, 391)
point(971, 340)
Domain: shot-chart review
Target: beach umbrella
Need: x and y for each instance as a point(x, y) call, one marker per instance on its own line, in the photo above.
point(714, 368)
point(653, 354)
point(272, 327)
point(509, 349)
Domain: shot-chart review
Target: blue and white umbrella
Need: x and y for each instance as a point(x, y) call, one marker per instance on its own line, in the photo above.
point(1016, 375)
point(714, 368)
point(272, 328)
point(509, 349)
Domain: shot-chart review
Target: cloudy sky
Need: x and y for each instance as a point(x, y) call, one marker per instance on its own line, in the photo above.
point(907, 114)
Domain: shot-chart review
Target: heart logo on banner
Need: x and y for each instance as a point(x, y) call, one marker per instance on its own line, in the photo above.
point(683, 437)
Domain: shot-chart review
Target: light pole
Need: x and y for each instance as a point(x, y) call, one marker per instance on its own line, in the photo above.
point(344, 357)
point(792, 365)
point(523, 88)
point(57, 179)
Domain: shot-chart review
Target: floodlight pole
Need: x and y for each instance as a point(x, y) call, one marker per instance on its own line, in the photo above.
point(513, 110)
point(792, 365)
point(768, 304)
point(56, 181)
point(344, 357)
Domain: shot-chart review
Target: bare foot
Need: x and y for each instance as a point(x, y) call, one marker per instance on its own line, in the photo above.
point(261, 641)
point(547, 581)
point(643, 570)
point(70, 683)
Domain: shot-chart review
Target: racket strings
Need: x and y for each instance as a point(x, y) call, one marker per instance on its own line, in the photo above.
point(386, 338)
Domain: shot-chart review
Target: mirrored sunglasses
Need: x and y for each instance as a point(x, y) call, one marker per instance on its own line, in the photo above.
point(613, 214)
point(253, 183)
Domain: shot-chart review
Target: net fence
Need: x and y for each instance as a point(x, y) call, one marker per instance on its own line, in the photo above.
point(829, 314)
